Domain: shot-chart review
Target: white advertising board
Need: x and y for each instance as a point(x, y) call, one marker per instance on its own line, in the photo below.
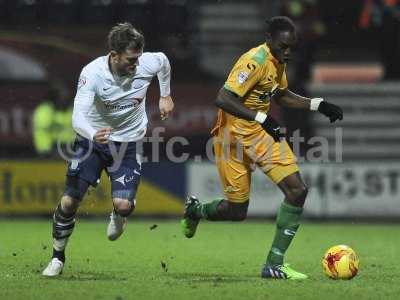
point(335, 190)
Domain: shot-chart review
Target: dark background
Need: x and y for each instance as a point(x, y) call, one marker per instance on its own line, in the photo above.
point(61, 36)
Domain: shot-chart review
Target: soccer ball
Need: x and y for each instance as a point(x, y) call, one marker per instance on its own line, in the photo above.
point(340, 262)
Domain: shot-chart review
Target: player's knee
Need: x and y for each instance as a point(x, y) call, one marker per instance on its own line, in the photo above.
point(76, 188)
point(69, 205)
point(238, 211)
point(297, 194)
point(123, 207)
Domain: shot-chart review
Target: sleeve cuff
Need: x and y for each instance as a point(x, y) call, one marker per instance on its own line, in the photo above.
point(260, 117)
point(315, 102)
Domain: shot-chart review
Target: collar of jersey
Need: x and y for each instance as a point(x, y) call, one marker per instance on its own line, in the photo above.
point(270, 56)
point(107, 72)
point(109, 75)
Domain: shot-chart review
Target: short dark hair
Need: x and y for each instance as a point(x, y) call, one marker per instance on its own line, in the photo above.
point(124, 36)
point(280, 23)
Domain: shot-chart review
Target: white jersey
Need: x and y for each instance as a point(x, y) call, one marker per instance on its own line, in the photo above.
point(105, 100)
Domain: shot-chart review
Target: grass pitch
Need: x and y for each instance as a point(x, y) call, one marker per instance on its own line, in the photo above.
point(222, 261)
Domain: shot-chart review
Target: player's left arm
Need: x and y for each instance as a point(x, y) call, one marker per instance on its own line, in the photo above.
point(166, 104)
point(287, 98)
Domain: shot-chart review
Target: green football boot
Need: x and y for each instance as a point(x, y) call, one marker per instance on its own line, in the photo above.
point(190, 221)
point(281, 272)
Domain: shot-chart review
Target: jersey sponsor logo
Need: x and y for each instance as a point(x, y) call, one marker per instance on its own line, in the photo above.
point(81, 82)
point(135, 102)
point(106, 88)
point(114, 107)
point(242, 77)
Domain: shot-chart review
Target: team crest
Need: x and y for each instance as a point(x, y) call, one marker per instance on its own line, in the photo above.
point(251, 66)
point(81, 82)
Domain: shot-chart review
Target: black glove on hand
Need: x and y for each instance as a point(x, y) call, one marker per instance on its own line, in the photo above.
point(272, 128)
point(332, 111)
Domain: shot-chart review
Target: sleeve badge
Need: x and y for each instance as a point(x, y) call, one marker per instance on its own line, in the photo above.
point(242, 77)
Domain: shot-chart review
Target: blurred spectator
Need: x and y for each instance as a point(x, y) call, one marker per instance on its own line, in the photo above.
point(306, 15)
point(52, 121)
point(385, 15)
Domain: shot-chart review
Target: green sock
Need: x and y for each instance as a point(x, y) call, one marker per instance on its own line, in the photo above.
point(287, 223)
point(208, 210)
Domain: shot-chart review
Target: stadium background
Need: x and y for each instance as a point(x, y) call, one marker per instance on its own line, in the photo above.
point(342, 56)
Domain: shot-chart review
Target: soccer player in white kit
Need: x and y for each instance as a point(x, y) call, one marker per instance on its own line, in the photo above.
point(109, 118)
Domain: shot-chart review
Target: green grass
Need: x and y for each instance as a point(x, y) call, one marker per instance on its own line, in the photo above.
point(221, 262)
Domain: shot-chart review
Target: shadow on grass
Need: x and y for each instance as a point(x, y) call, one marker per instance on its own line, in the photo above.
point(88, 276)
point(213, 277)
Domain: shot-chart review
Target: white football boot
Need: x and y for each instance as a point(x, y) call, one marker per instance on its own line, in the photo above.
point(54, 268)
point(116, 226)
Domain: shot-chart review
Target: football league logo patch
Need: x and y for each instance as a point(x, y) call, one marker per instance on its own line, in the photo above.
point(243, 76)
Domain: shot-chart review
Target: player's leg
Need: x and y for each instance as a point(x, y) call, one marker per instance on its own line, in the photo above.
point(287, 224)
point(64, 223)
point(82, 172)
point(279, 164)
point(288, 217)
point(123, 207)
point(235, 175)
point(124, 184)
point(217, 210)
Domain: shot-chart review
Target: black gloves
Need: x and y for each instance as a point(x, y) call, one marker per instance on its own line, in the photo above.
point(332, 111)
point(272, 128)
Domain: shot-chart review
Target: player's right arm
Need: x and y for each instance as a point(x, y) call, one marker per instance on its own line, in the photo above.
point(82, 104)
point(243, 77)
point(233, 104)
